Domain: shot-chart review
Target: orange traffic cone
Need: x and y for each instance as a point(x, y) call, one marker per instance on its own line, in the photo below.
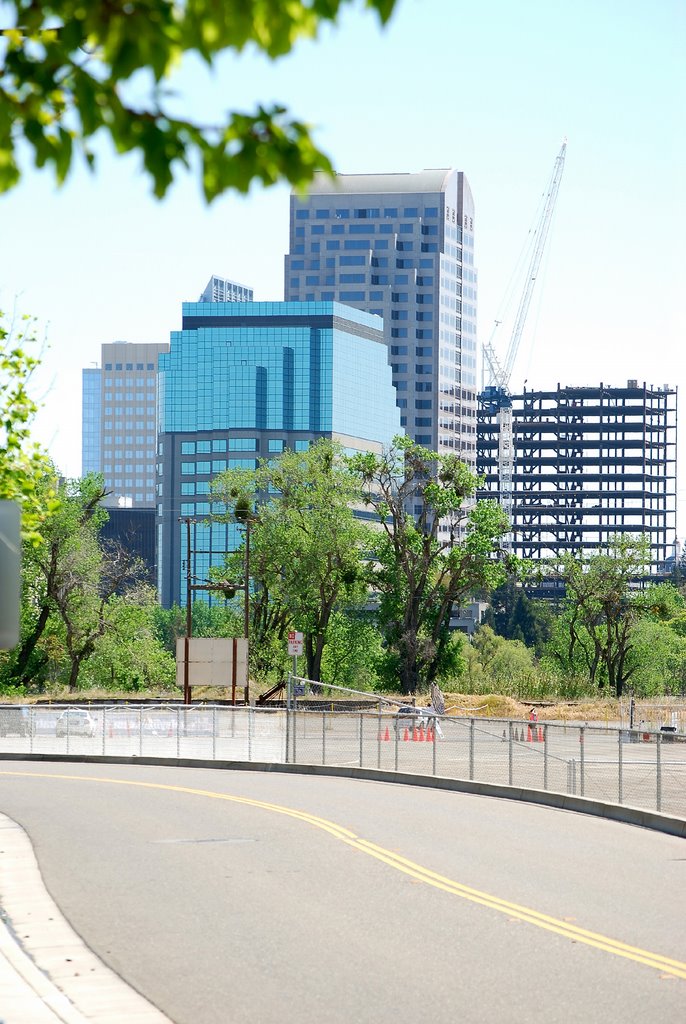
point(387, 735)
point(406, 735)
point(421, 733)
point(540, 734)
point(528, 734)
point(430, 735)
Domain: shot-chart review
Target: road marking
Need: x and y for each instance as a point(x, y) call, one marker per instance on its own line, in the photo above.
point(673, 968)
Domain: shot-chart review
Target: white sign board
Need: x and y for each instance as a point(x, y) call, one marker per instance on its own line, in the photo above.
point(212, 661)
point(295, 644)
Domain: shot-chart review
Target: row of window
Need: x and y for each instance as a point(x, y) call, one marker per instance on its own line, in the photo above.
point(350, 244)
point(129, 366)
point(420, 385)
point(365, 213)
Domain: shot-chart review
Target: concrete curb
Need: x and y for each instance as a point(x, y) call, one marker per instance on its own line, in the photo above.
point(561, 801)
point(47, 973)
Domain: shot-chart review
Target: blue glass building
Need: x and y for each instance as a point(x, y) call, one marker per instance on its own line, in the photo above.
point(91, 421)
point(244, 381)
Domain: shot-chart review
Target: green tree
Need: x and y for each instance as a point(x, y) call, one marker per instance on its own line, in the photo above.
point(306, 544)
point(67, 71)
point(516, 616)
point(128, 654)
point(434, 546)
point(601, 608)
point(25, 472)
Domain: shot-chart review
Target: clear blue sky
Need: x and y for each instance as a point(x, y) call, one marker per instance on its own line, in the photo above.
point(490, 88)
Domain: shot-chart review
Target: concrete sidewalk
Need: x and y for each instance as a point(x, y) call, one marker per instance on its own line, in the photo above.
point(47, 973)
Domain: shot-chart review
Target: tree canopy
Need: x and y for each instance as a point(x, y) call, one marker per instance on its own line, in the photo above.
point(66, 73)
point(435, 546)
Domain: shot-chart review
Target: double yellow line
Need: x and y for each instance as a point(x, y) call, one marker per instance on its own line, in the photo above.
point(673, 968)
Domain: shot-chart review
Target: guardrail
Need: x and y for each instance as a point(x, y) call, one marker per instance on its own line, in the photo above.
point(641, 768)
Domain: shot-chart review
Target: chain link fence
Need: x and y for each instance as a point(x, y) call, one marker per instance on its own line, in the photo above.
point(641, 767)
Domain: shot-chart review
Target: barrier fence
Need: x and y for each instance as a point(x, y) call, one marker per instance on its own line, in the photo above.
point(644, 768)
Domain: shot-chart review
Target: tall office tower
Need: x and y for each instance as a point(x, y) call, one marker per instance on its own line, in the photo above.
point(91, 420)
point(244, 381)
point(220, 289)
point(589, 463)
point(401, 246)
point(119, 422)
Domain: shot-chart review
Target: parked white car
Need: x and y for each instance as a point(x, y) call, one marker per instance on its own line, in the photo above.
point(76, 722)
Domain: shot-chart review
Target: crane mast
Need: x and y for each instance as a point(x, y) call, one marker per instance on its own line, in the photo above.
point(497, 393)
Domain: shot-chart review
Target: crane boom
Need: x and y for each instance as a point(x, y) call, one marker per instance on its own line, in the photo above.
point(497, 395)
point(541, 235)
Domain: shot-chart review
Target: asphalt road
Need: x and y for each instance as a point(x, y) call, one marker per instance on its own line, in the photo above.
point(371, 903)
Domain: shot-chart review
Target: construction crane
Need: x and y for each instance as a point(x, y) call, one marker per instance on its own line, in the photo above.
point(496, 395)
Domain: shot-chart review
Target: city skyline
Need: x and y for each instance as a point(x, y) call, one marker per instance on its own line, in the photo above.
point(101, 261)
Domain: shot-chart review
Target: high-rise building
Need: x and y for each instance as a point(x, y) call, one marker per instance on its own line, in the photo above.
point(589, 463)
point(247, 380)
point(119, 422)
point(401, 246)
point(220, 289)
point(91, 420)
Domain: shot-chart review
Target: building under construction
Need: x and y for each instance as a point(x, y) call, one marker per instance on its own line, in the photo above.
point(587, 463)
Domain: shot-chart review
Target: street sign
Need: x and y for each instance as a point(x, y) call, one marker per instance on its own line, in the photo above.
point(295, 644)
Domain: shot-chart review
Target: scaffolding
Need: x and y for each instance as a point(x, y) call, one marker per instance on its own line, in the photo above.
point(590, 463)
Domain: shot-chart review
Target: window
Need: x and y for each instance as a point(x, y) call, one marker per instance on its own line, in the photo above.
point(219, 445)
point(404, 246)
point(313, 265)
point(187, 488)
point(297, 264)
point(366, 213)
point(376, 296)
point(429, 247)
point(300, 232)
point(333, 243)
point(398, 332)
point(423, 385)
point(422, 403)
point(353, 297)
point(390, 211)
point(398, 350)
point(203, 446)
point(406, 229)
point(275, 444)
point(302, 214)
point(424, 439)
point(150, 366)
point(357, 243)
point(322, 214)
point(204, 467)
point(352, 278)
point(399, 296)
point(424, 350)
point(302, 445)
point(342, 214)
point(361, 229)
point(400, 385)
point(312, 279)
point(422, 421)
point(410, 211)
point(352, 261)
point(399, 367)
point(187, 468)
point(399, 314)
point(317, 229)
point(431, 211)
point(242, 444)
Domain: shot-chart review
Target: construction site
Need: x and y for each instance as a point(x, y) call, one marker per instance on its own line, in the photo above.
point(576, 465)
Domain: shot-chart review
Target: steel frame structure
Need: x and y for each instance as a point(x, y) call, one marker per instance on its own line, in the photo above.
point(590, 463)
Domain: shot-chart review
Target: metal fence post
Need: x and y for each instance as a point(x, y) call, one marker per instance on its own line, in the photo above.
point(545, 756)
point(396, 745)
point(620, 768)
point(471, 748)
point(510, 755)
point(323, 737)
point(582, 759)
point(433, 736)
point(288, 737)
point(214, 734)
point(294, 730)
point(658, 769)
point(361, 731)
point(378, 740)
